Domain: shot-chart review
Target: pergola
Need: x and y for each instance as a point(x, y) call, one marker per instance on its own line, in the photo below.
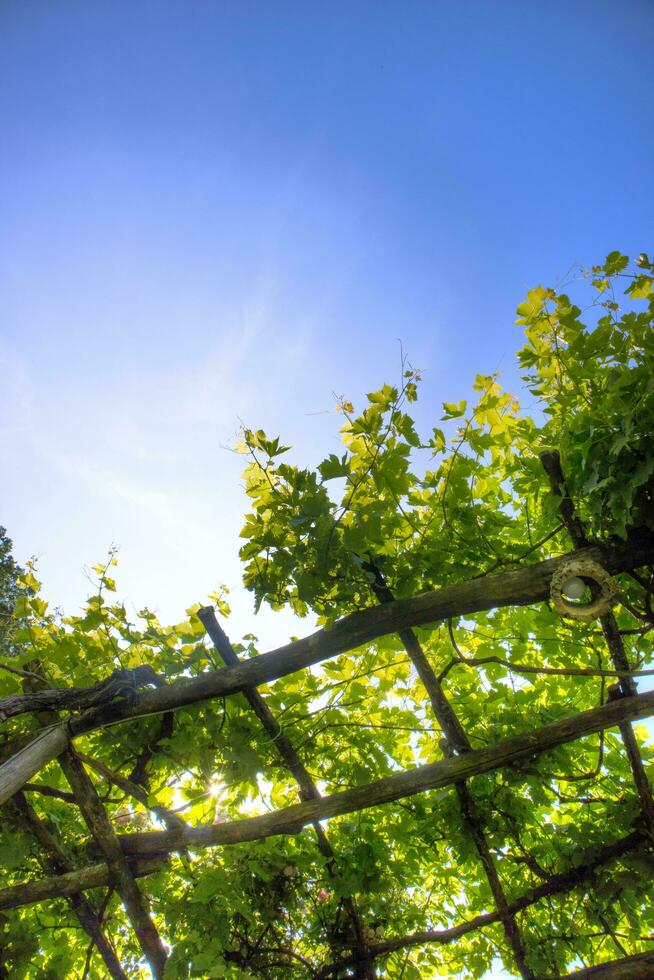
point(66, 714)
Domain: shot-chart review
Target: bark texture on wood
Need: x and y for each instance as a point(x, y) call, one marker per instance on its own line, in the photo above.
point(31, 758)
point(640, 967)
point(438, 774)
point(98, 874)
point(70, 883)
point(120, 875)
point(119, 683)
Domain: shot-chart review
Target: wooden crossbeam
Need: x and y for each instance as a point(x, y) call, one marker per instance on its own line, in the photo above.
point(523, 586)
point(447, 772)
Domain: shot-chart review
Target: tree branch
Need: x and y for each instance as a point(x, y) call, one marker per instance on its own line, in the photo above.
point(557, 884)
point(44, 790)
point(139, 773)
point(170, 819)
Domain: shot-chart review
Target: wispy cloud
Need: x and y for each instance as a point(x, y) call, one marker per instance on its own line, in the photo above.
point(16, 398)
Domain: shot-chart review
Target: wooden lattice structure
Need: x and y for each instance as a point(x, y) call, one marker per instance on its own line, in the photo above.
point(124, 858)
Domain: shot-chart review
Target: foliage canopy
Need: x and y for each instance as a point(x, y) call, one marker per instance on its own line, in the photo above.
point(396, 513)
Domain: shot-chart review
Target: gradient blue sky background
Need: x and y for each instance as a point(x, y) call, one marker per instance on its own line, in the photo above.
point(215, 211)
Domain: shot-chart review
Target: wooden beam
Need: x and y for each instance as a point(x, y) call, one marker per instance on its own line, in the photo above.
point(438, 774)
point(639, 967)
point(31, 758)
point(526, 585)
point(517, 587)
point(70, 883)
point(121, 876)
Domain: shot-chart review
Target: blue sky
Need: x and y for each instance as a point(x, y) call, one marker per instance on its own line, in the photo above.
point(217, 211)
